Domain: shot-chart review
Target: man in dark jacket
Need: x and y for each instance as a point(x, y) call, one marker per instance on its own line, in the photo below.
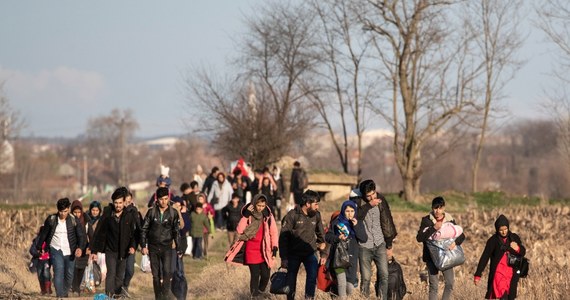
point(130, 208)
point(115, 236)
point(429, 225)
point(210, 180)
point(302, 234)
point(65, 237)
point(160, 229)
point(374, 211)
point(298, 182)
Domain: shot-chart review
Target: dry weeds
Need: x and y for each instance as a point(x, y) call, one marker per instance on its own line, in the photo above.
point(545, 231)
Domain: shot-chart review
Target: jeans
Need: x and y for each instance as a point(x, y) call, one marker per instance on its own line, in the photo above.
point(161, 260)
point(448, 276)
point(311, 264)
point(129, 270)
point(197, 247)
point(63, 268)
point(378, 255)
point(259, 278)
point(219, 221)
point(115, 273)
point(44, 273)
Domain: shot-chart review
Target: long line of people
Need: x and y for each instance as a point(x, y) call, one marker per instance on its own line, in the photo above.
point(247, 205)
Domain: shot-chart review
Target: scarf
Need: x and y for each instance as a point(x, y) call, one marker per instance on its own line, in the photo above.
point(255, 223)
point(343, 220)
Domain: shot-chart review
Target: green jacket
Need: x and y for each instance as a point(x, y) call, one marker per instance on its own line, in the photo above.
point(199, 223)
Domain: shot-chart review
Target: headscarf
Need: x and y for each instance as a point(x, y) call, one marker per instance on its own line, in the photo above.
point(501, 221)
point(77, 204)
point(98, 205)
point(342, 217)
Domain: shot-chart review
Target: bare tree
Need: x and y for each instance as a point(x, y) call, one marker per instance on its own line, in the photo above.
point(107, 140)
point(554, 21)
point(495, 25)
point(425, 60)
point(342, 86)
point(260, 113)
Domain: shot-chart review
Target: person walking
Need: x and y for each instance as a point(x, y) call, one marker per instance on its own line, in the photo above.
point(160, 230)
point(256, 244)
point(80, 262)
point(220, 195)
point(345, 228)
point(299, 182)
point(66, 238)
point(503, 279)
point(115, 237)
point(429, 226)
point(302, 234)
point(374, 212)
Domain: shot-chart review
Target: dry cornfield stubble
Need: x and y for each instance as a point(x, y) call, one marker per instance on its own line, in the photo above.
point(545, 231)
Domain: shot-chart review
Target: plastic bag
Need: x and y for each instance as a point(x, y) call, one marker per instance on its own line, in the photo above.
point(102, 267)
point(442, 257)
point(97, 274)
point(324, 279)
point(88, 282)
point(189, 248)
point(145, 264)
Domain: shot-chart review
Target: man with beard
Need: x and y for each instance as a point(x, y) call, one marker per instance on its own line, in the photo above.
point(160, 228)
point(115, 236)
point(302, 234)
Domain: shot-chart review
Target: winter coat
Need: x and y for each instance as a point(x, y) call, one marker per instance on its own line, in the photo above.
point(159, 234)
point(386, 220)
point(300, 234)
point(222, 192)
point(494, 250)
point(427, 229)
point(236, 254)
point(75, 233)
point(127, 229)
point(200, 224)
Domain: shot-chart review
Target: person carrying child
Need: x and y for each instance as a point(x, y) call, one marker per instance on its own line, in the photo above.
point(346, 228)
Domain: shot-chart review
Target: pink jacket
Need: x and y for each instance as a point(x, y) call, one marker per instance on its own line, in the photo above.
point(236, 254)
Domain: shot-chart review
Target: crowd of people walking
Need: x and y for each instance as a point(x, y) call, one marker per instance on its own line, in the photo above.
point(247, 205)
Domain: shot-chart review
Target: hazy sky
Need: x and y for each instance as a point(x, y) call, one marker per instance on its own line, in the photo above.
point(63, 62)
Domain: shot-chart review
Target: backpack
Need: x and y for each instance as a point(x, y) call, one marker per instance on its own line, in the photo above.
point(396, 284)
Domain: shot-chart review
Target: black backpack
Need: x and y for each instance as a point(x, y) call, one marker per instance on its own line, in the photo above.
point(396, 284)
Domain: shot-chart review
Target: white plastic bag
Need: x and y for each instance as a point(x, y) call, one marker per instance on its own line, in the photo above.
point(442, 257)
point(102, 265)
point(189, 248)
point(88, 282)
point(145, 264)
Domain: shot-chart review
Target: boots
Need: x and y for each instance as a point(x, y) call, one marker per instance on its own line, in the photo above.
point(48, 287)
point(43, 288)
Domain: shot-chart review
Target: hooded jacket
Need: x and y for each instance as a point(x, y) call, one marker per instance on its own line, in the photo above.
point(236, 254)
point(494, 250)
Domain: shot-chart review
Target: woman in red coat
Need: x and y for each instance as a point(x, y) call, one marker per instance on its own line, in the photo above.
point(503, 279)
point(256, 244)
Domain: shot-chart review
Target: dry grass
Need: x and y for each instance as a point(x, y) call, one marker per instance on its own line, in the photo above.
point(545, 231)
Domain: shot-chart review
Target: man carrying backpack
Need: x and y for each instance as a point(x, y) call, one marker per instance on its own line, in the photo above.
point(299, 182)
point(65, 236)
